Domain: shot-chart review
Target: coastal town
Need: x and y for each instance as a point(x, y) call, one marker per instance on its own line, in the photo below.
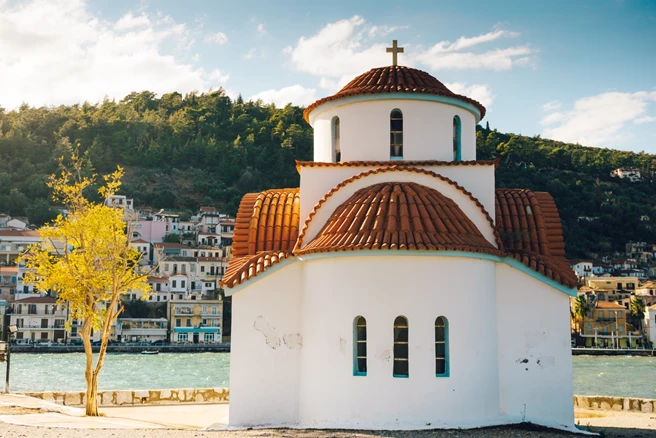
point(186, 256)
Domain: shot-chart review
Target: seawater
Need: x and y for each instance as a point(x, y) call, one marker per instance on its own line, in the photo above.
point(593, 375)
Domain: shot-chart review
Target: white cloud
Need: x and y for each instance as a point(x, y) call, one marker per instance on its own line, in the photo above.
point(550, 106)
point(380, 31)
point(250, 54)
point(598, 120)
point(296, 94)
point(261, 29)
point(218, 38)
point(59, 52)
point(481, 93)
point(646, 119)
point(345, 48)
point(217, 76)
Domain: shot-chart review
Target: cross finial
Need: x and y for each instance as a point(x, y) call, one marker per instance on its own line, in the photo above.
point(394, 50)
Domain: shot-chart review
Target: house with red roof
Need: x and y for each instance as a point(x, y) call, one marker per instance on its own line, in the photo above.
point(392, 289)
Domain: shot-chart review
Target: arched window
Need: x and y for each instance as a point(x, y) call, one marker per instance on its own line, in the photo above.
point(457, 149)
point(337, 152)
point(441, 347)
point(400, 347)
point(396, 135)
point(359, 346)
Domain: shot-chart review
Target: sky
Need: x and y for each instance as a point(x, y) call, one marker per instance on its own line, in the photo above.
point(576, 71)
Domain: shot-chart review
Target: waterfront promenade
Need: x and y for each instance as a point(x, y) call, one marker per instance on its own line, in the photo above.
point(22, 417)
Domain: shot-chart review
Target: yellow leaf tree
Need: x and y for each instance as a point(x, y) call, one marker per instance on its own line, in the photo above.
point(87, 260)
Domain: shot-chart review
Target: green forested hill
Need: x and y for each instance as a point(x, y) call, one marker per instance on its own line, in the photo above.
point(183, 151)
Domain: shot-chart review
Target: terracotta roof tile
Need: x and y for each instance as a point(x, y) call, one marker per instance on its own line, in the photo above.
point(247, 267)
point(394, 79)
point(37, 300)
point(608, 305)
point(398, 215)
point(300, 164)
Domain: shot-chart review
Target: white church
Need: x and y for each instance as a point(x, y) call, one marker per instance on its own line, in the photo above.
point(397, 288)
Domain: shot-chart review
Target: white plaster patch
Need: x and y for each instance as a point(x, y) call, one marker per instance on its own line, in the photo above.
point(534, 339)
point(546, 362)
point(269, 332)
point(342, 344)
point(293, 341)
point(385, 355)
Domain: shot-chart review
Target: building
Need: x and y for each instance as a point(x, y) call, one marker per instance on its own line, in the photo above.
point(144, 247)
point(14, 242)
point(630, 173)
point(39, 319)
point(171, 221)
point(649, 325)
point(582, 268)
point(612, 288)
point(352, 295)
point(150, 231)
point(195, 322)
point(8, 278)
point(624, 264)
point(607, 326)
point(141, 329)
point(601, 270)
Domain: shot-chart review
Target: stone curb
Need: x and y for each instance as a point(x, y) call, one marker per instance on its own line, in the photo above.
point(607, 403)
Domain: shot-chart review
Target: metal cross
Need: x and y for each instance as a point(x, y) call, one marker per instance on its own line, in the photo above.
point(394, 50)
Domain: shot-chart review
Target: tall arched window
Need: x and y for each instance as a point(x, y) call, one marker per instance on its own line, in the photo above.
point(441, 347)
point(457, 149)
point(400, 347)
point(359, 346)
point(337, 152)
point(396, 135)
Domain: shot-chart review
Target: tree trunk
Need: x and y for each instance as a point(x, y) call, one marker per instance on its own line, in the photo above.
point(90, 375)
point(92, 396)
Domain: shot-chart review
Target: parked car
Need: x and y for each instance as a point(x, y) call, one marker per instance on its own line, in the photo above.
point(160, 342)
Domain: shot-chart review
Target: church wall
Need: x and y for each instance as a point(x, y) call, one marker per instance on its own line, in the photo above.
point(264, 361)
point(365, 129)
point(380, 288)
point(312, 191)
point(317, 181)
point(535, 362)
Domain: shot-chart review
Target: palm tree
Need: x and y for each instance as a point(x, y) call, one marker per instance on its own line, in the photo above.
point(638, 310)
point(581, 308)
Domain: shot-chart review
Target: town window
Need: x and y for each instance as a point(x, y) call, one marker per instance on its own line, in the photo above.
point(178, 322)
point(182, 283)
point(188, 322)
point(337, 152)
point(359, 346)
point(441, 347)
point(457, 147)
point(174, 284)
point(401, 368)
point(396, 135)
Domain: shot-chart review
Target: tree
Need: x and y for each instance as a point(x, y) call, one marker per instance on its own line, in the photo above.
point(172, 238)
point(581, 309)
point(87, 260)
point(638, 310)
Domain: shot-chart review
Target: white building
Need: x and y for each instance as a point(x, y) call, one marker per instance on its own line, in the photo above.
point(649, 324)
point(389, 290)
point(39, 319)
point(630, 173)
point(582, 268)
point(141, 329)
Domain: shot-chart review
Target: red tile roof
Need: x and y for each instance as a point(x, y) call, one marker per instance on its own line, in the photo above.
point(19, 233)
point(411, 163)
point(267, 221)
point(608, 305)
point(398, 215)
point(394, 79)
point(37, 300)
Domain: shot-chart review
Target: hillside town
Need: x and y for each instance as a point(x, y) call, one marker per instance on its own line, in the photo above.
point(185, 256)
point(616, 302)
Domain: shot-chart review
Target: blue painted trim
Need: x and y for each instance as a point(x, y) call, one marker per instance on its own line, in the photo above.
point(399, 96)
point(472, 255)
point(396, 158)
point(399, 376)
point(447, 368)
point(196, 330)
point(458, 152)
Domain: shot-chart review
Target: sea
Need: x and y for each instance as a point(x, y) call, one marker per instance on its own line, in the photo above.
point(626, 376)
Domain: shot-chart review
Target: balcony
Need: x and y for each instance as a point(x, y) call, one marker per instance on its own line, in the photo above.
point(183, 311)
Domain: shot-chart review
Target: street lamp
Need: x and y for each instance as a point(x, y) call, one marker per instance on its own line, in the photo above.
point(5, 352)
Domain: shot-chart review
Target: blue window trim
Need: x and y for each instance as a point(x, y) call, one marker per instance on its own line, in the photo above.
point(392, 112)
point(447, 370)
point(333, 142)
point(396, 158)
point(355, 346)
point(458, 151)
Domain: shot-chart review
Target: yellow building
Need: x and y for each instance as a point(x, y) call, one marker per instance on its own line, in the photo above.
point(610, 288)
point(195, 322)
point(606, 326)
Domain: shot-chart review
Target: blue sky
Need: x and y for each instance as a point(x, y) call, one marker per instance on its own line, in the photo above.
point(574, 71)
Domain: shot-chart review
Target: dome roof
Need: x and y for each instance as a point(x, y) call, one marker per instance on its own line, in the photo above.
point(394, 79)
point(399, 215)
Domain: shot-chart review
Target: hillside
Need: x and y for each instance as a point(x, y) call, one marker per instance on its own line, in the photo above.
point(183, 151)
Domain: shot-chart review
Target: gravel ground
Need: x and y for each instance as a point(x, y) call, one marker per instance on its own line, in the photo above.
point(521, 431)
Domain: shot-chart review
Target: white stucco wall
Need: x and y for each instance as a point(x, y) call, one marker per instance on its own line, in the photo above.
point(365, 129)
point(535, 358)
point(309, 189)
point(317, 181)
point(264, 359)
point(337, 289)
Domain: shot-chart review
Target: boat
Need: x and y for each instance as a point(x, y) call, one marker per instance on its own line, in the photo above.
point(150, 352)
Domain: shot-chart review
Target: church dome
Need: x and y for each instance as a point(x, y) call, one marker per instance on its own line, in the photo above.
point(394, 79)
point(399, 215)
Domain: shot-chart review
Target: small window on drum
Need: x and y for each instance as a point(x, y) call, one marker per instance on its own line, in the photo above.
point(337, 152)
point(396, 135)
point(359, 346)
point(457, 134)
point(401, 368)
